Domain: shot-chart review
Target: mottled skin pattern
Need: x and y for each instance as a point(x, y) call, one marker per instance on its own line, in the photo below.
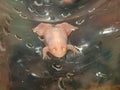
point(55, 38)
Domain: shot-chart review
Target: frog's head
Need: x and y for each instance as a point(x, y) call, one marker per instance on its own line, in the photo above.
point(58, 51)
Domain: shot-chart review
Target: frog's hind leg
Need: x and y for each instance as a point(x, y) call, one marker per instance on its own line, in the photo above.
point(68, 28)
point(41, 28)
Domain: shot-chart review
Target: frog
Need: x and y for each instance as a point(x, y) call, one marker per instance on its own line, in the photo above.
point(55, 38)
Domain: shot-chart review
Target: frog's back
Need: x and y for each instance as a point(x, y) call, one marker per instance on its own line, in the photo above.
point(55, 35)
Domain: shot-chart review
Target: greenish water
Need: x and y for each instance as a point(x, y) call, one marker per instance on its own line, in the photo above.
point(97, 39)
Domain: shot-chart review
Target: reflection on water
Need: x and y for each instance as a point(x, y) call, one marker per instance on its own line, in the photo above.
point(97, 39)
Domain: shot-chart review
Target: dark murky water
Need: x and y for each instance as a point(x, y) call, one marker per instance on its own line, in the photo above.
point(97, 39)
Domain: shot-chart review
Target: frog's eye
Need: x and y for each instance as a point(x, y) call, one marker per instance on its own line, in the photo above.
point(53, 50)
point(63, 49)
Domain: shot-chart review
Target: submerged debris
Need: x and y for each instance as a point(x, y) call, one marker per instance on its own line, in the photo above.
point(35, 75)
point(79, 22)
point(92, 10)
point(38, 4)
point(61, 83)
point(23, 16)
point(18, 37)
point(108, 30)
point(69, 75)
point(57, 67)
point(29, 45)
point(30, 10)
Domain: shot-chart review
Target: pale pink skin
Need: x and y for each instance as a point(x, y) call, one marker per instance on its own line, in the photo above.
point(68, 1)
point(55, 38)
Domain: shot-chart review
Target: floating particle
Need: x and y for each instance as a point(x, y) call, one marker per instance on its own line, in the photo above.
point(29, 45)
point(35, 75)
point(38, 4)
point(23, 16)
point(19, 61)
point(18, 37)
point(90, 11)
point(79, 22)
point(61, 84)
point(57, 67)
point(30, 10)
point(69, 75)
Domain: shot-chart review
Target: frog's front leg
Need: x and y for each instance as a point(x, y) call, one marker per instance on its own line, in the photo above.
point(72, 48)
point(44, 52)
